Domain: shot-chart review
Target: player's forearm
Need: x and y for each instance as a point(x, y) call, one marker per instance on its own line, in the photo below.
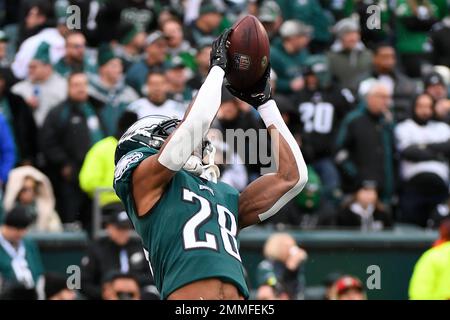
point(195, 124)
point(291, 165)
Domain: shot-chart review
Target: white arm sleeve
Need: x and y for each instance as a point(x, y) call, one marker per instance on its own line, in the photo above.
point(194, 127)
point(271, 116)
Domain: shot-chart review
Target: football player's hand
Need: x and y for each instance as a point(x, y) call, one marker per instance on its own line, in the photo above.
point(257, 95)
point(218, 56)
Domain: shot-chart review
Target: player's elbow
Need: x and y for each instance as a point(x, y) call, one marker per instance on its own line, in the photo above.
point(301, 178)
point(296, 178)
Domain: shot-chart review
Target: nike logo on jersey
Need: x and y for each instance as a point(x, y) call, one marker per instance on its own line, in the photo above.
point(203, 187)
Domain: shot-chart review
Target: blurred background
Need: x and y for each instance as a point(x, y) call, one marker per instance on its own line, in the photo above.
point(363, 86)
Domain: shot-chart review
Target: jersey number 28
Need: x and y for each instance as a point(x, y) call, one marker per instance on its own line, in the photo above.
point(191, 228)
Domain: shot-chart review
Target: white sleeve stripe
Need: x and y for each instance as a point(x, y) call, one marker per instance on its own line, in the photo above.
point(271, 116)
point(191, 132)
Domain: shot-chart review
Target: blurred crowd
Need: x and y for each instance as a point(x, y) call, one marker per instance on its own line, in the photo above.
point(364, 89)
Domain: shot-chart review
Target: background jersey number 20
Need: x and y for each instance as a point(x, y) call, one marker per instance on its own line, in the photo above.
point(317, 117)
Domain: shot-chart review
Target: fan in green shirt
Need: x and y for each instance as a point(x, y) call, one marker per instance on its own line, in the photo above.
point(20, 260)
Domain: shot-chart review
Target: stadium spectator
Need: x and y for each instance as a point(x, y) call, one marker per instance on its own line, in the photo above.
point(384, 69)
point(43, 89)
point(348, 58)
point(76, 119)
point(97, 170)
point(177, 45)
point(311, 13)
point(7, 155)
point(282, 267)
point(202, 67)
point(30, 189)
point(288, 111)
point(172, 11)
point(75, 58)
point(20, 120)
point(177, 76)
point(431, 274)
point(330, 287)
point(436, 87)
point(4, 59)
point(439, 213)
point(205, 29)
point(414, 18)
point(349, 288)
point(288, 55)
point(444, 231)
point(130, 45)
point(269, 13)
point(20, 260)
point(139, 13)
point(155, 56)
point(252, 7)
point(309, 209)
point(321, 107)
point(118, 251)
point(364, 144)
point(424, 146)
point(1, 205)
point(35, 15)
point(439, 35)
point(39, 26)
point(109, 88)
point(17, 291)
point(118, 286)
point(271, 291)
point(157, 100)
point(364, 210)
point(55, 288)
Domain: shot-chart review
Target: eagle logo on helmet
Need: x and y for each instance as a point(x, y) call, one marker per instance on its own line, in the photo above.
point(151, 132)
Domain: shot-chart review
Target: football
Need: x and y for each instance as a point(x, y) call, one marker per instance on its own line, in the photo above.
point(248, 53)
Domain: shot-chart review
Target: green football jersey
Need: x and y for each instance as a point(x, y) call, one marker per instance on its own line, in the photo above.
point(190, 233)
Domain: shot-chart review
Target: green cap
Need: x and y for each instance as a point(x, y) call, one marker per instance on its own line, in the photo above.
point(105, 53)
point(43, 53)
point(209, 7)
point(309, 198)
point(176, 63)
point(129, 32)
point(269, 11)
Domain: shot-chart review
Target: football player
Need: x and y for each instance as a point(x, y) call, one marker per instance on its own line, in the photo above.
point(188, 220)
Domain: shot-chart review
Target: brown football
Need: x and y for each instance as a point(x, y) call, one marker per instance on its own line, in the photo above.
point(248, 53)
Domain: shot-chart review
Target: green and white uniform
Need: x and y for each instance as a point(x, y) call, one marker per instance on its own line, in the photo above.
point(190, 233)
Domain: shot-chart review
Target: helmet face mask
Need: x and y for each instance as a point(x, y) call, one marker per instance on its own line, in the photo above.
point(152, 131)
